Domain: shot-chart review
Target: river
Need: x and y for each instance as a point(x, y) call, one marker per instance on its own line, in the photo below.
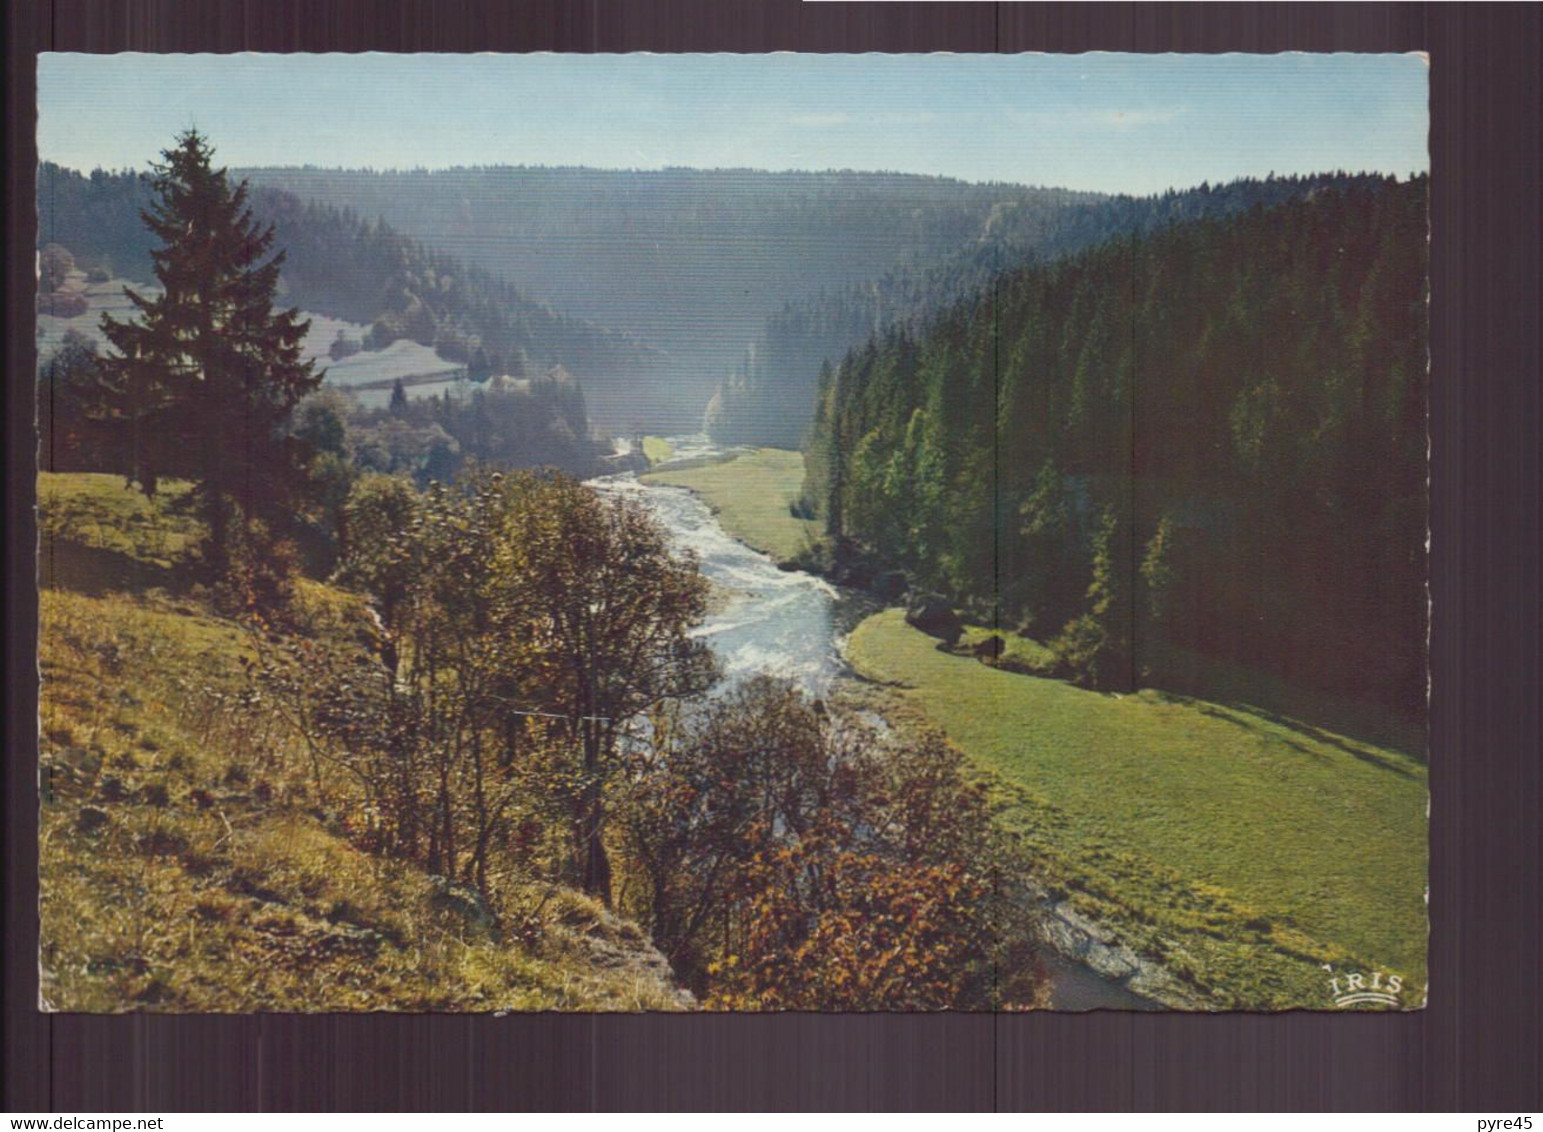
point(763, 619)
point(791, 624)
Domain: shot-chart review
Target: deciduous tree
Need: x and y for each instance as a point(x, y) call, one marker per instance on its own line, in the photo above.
point(54, 266)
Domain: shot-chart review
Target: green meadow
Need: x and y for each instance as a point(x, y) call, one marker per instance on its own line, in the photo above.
point(752, 494)
point(1242, 848)
point(657, 449)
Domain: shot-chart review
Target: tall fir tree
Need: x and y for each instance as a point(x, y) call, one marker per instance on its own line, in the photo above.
point(1095, 648)
point(204, 379)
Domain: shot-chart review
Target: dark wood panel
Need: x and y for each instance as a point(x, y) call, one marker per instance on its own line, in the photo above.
point(433, 25)
point(446, 1062)
point(25, 1034)
point(1228, 1063)
point(1477, 1046)
point(800, 1061)
point(1216, 27)
point(1486, 837)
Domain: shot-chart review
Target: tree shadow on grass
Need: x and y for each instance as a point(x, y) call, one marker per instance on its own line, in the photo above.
point(65, 564)
point(1245, 715)
point(1327, 738)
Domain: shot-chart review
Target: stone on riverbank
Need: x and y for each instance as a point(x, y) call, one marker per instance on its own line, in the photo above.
point(934, 616)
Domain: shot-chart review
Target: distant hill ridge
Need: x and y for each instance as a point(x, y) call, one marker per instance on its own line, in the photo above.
point(688, 295)
point(690, 261)
point(364, 271)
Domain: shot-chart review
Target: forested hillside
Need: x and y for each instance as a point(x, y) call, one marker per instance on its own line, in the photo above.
point(768, 397)
point(342, 265)
point(1210, 438)
point(691, 261)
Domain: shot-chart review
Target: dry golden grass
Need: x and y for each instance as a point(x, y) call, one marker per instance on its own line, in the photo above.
point(188, 860)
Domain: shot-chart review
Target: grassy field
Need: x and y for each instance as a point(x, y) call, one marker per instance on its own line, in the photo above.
point(1021, 652)
point(657, 449)
point(751, 494)
point(98, 536)
point(188, 860)
point(1243, 849)
point(107, 298)
point(403, 358)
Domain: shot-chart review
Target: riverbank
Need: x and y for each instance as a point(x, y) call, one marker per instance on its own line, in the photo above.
point(1089, 966)
point(1235, 851)
point(751, 492)
point(1205, 855)
point(791, 623)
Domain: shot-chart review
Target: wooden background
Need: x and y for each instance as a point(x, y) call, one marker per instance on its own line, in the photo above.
point(1477, 1047)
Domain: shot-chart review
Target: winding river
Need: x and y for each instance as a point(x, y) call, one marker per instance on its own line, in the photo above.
point(790, 624)
point(763, 619)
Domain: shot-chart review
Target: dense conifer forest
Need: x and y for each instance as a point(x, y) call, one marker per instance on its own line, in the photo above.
point(1207, 439)
point(768, 397)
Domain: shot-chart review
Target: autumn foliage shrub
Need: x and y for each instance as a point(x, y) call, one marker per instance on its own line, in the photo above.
point(260, 573)
point(789, 858)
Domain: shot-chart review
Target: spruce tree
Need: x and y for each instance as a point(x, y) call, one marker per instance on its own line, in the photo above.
point(204, 379)
point(1095, 648)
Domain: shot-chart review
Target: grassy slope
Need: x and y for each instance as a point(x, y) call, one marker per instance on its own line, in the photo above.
point(1243, 850)
point(1023, 652)
point(187, 862)
point(402, 358)
point(751, 495)
point(657, 449)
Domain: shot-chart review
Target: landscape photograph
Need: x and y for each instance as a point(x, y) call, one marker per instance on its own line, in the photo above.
point(750, 533)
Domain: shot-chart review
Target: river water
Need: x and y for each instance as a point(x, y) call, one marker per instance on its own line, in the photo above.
point(764, 619)
point(790, 624)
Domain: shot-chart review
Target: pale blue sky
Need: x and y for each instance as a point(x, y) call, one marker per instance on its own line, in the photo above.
point(1116, 123)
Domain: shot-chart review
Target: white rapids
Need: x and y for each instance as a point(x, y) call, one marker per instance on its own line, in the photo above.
point(764, 620)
